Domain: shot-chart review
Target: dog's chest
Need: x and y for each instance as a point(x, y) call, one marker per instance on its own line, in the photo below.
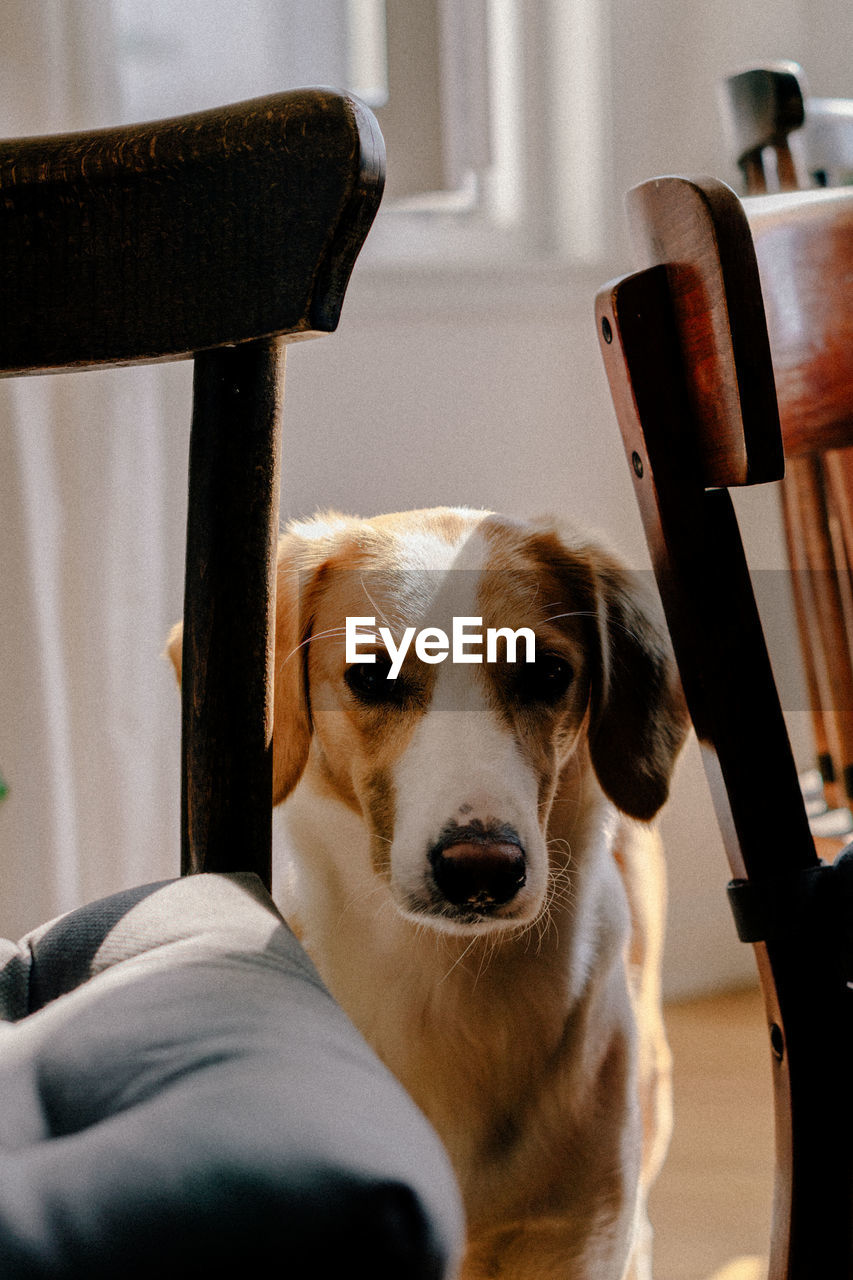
point(480, 1056)
point(485, 1038)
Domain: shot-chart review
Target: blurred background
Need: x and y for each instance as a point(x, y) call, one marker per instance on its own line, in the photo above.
point(465, 369)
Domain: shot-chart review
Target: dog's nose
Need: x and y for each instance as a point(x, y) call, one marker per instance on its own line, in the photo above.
point(481, 874)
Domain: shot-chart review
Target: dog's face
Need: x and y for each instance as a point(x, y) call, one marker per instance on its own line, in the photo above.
point(453, 765)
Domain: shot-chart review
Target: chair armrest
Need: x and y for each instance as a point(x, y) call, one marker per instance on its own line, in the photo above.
point(199, 1102)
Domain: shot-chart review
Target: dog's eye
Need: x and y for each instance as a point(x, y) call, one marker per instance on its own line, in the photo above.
point(545, 680)
point(369, 680)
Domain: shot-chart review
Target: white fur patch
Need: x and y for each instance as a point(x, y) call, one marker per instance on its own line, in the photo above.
point(447, 775)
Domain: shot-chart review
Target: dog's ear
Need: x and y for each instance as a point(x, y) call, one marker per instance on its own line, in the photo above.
point(175, 648)
point(300, 562)
point(292, 710)
point(638, 717)
point(637, 714)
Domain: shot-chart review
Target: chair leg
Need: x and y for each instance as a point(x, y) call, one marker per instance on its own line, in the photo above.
point(229, 609)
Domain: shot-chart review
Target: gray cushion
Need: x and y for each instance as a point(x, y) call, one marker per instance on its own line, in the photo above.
point(179, 1093)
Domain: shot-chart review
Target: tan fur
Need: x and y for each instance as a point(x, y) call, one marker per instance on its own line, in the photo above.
point(532, 1039)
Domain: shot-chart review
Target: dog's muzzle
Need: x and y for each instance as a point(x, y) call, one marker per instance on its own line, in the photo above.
point(478, 867)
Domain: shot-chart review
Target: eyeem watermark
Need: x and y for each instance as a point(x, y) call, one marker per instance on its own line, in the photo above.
point(433, 645)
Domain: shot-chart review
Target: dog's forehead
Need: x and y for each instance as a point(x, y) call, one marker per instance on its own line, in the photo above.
point(472, 575)
point(428, 550)
point(426, 569)
point(401, 578)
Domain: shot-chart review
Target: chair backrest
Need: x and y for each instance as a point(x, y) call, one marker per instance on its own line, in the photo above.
point(782, 138)
point(222, 235)
point(687, 329)
point(796, 271)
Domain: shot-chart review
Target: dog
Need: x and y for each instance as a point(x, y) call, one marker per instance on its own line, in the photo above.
point(470, 857)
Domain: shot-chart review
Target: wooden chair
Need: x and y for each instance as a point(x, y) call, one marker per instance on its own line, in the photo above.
point(784, 140)
point(222, 236)
point(686, 349)
point(781, 137)
point(178, 1092)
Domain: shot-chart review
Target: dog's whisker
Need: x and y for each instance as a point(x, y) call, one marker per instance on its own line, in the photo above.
point(329, 633)
point(459, 958)
point(489, 951)
point(359, 899)
point(591, 613)
point(379, 613)
point(559, 895)
point(570, 613)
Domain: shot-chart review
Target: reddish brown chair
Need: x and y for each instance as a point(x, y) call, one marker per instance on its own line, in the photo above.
point(686, 350)
point(784, 140)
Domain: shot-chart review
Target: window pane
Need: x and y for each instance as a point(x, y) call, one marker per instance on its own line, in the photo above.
point(186, 56)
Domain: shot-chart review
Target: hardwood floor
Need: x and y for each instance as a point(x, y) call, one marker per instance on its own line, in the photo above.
point(711, 1204)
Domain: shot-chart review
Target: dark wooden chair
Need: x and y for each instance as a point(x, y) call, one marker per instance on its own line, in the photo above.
point(178, 1092)
point(222, 236)
point(685, 345)
point(785, 140)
